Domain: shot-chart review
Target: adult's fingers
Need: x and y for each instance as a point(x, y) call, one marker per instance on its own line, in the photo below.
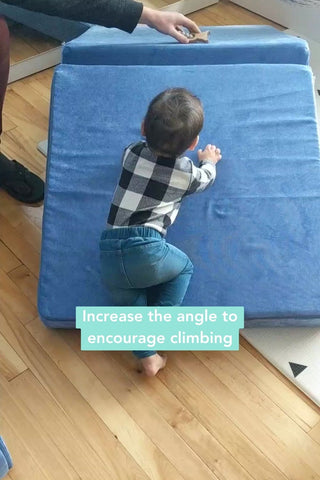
point(178, 35)
point(190, 25)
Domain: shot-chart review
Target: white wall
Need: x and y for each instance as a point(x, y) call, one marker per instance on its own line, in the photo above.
point(301, 15)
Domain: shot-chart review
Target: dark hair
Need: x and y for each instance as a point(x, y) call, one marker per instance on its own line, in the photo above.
point(173, 120)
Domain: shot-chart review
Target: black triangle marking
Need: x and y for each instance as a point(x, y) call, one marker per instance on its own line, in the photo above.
point(297, 368)
point(318, 92)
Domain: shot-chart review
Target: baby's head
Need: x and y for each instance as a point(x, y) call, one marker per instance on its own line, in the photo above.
point(173, 122)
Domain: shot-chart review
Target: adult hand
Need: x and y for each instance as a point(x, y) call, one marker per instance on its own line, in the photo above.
point(170, 23)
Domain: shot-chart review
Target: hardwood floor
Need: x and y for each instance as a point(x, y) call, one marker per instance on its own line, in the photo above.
point(67, 414)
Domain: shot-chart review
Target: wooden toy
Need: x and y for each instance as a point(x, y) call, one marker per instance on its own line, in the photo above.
point(202, 37)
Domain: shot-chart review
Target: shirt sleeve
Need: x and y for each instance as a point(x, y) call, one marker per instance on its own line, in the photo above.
point(122, 14)
point(201, 177)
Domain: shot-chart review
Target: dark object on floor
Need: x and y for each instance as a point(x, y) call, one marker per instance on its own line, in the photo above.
point(23, 185)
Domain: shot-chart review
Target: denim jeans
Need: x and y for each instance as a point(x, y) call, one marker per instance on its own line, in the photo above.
point(5, 459)
point(140, 269)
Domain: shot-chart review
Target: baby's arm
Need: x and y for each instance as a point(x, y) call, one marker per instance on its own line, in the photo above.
point(204, 175)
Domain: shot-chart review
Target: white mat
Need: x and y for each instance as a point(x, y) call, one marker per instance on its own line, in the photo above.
point(293, 351)
point(43, 147)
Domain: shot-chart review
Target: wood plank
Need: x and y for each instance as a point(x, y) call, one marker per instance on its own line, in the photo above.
point(11, 364)
point(213, 453)
point(25, 227)
point(25, 464)
point(26, 282)
point(44, 78)
point(8, 260)
point(304, 415)
point(24, 114)
point(33, 212)
point(17, 212)
point(7, 123)
point(24, 89)
point(40, 85)
point(227, 13)
point(282, 453)
point(50, 458)
point(241, 446)
point(315, 433)
point(18, 145)
point(31, 233)
point(19, 49)
point(15, 300)
point(25, 154)
point(161, 432)
point(26, 42)
point(52, 419)
point(121, 464)
point(11, 209)
point(261, 406)
point(22, 249)
point(138, 443)
point(32, 38)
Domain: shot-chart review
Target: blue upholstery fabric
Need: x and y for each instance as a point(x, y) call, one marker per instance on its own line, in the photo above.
point(253, 237)
point(227, 45)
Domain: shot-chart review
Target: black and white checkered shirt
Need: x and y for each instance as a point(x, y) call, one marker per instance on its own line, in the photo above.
point(151, 188)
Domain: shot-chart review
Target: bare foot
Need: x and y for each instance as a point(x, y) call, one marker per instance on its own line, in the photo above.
point(152, 365)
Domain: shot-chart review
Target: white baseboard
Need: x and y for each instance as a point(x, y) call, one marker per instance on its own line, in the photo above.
point(43, 147)
point(35, 64)
point(189, 6)
point(291, 14)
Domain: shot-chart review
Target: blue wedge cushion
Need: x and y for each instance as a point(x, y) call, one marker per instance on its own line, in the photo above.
point(253, 237)
point(227, 45)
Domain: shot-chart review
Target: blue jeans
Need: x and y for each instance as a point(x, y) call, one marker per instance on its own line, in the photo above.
point(140, 268)
point(5, 459)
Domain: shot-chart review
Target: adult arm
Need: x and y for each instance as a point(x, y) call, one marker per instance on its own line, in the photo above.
point(122, 14)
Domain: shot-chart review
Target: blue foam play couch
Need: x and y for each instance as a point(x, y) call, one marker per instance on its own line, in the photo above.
point(253, 238)
point(227, 45)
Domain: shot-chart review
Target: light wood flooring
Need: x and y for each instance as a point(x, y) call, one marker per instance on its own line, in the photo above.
point(67, 414)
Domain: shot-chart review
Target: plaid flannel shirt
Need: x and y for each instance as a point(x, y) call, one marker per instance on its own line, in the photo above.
point(151, 188)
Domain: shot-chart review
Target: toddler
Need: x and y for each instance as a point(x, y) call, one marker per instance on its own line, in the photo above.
point(138, 266)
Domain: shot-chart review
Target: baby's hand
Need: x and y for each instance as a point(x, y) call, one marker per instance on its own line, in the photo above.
point(211, 153)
